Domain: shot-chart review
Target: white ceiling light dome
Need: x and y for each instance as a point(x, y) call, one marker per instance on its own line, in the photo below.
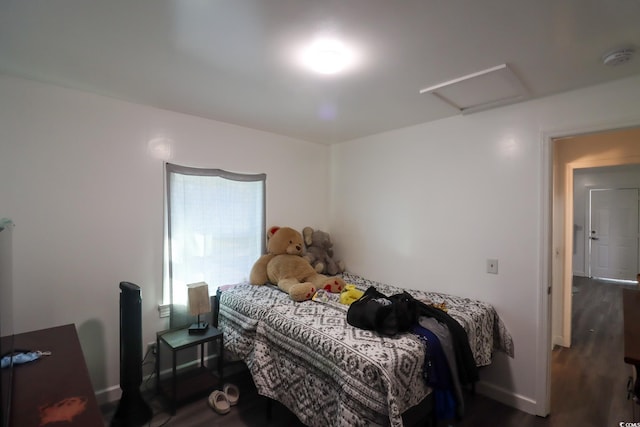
point(327, 56)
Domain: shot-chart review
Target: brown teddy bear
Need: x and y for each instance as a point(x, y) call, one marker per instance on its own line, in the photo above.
point(284, 266)
point(319, 252)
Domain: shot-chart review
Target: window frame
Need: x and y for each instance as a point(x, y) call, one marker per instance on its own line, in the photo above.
point(170, 168)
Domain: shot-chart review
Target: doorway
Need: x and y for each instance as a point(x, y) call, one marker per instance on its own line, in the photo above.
point(569, 153)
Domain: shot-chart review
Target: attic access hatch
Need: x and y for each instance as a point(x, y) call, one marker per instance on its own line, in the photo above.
point(485, 89)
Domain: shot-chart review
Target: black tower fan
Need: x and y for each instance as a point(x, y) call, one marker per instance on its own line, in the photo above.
point(133, 410)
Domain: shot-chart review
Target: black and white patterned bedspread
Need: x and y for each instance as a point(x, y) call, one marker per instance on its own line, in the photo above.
point(485, 329)
point(329, 373)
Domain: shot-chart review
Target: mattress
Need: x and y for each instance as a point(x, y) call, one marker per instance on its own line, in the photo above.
point(329, 373)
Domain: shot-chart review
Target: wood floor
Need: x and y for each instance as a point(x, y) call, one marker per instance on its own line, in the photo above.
point(589, 380)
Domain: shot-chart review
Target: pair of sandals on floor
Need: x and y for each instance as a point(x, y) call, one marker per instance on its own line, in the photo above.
point(222, 400)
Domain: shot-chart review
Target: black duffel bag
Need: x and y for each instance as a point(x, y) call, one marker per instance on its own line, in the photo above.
point(387, 315)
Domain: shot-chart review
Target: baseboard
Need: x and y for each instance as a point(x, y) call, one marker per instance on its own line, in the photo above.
point(108, 395)
point(113, 393)
point(557, 340)
point(507, 397)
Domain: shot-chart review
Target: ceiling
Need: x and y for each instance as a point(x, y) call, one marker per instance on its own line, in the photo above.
point(235, 60)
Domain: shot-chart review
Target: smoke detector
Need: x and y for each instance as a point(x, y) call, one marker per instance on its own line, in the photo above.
point(617, 57)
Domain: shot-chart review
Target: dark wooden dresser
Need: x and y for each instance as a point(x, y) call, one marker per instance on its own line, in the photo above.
point(54, 390)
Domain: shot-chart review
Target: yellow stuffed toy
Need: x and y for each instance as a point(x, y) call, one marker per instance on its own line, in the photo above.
point(350, 294)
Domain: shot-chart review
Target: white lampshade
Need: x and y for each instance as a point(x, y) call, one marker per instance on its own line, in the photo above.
point(199, 301)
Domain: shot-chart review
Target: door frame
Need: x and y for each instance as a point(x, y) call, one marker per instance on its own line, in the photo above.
point(554, 264)
point(587, 244)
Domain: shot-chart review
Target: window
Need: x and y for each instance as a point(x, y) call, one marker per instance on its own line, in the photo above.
point(215, 228)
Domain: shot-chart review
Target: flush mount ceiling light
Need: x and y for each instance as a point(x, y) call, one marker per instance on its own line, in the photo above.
point(327, 56)
point(617, 57)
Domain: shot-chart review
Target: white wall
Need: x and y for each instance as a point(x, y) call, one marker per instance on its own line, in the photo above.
point(425, 206)
point(87, 199)
point(583, 180)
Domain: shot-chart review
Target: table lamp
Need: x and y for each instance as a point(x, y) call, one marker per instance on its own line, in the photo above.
point(199, 303)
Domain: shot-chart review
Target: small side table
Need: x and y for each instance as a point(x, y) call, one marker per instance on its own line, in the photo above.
point(195, 381)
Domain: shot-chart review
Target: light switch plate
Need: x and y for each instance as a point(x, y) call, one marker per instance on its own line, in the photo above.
point(492, 266)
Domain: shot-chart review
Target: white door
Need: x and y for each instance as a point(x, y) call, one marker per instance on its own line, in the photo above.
point(613, 234)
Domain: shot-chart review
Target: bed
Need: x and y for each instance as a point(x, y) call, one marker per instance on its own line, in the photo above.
point(329, 373)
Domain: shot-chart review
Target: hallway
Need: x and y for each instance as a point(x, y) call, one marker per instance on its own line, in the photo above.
point(592, 373)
